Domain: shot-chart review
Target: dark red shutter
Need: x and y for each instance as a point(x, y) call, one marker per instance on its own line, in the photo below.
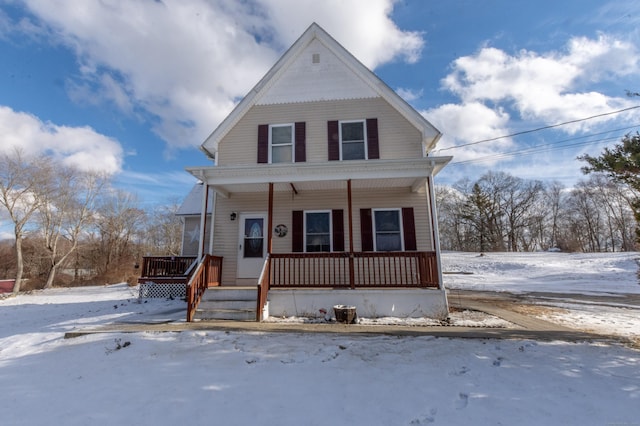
point(337, 217)
point(301, 142)
point(333, 140)
point(409, 229)
point(373, 148)
point(263, 143)
point(366, 229)
point(297, 231)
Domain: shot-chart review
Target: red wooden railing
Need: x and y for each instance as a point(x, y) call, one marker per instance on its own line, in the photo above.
point(207, 274)
point(356, 270)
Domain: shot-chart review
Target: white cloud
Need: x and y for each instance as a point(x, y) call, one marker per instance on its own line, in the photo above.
point(502, 94)
point(469, 122)
point(409, 94)
point(81, 147)
point(188, 63)
point(372, 37)
point(548, 87)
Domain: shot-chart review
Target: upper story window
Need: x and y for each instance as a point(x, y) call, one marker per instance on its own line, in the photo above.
point(353, 139)
point(281, 143)
point(353, 135)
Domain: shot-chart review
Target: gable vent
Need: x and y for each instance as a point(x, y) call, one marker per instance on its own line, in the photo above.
point(315, 58)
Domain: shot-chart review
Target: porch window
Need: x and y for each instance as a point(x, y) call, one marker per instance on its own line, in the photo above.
point(281, 143)
point(352, 140)
point(387, 230)
point(317, 230)
point(317, 234)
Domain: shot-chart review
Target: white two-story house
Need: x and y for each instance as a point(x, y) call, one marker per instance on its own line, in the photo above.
point(321, 191)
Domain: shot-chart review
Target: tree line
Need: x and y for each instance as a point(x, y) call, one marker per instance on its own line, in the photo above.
point(73, 227)
point(502, 212)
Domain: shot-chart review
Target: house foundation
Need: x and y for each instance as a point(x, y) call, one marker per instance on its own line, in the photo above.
point(369, 303)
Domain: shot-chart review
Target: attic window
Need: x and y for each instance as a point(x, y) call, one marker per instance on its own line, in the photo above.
point(315, 58)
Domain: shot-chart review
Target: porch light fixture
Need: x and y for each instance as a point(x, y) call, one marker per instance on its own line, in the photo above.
point(233, 216)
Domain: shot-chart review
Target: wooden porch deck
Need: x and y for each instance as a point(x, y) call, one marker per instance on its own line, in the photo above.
point(337, 270)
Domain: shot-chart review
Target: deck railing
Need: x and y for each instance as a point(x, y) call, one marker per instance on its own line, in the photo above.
point(207, 274)
point(166, 266)
point(356, 270)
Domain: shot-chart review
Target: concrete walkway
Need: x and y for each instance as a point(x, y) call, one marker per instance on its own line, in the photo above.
point(525, 327)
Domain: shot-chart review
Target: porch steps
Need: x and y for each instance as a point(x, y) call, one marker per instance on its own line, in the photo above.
point(228, 303)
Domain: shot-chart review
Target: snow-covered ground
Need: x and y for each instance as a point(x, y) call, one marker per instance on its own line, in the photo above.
point(558, 274)
point(236, 378)
point(585, 273)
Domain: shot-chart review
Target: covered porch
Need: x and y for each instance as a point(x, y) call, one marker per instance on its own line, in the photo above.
point(350, 269)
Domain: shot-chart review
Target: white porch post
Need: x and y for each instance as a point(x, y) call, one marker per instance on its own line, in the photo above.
point(203, 219)
point(436, 233)
point(213, 221)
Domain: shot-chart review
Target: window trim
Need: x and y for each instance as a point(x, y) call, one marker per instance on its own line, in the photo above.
point(375, 232)
point(292, 144)
point(364, 134)
point(304, 229)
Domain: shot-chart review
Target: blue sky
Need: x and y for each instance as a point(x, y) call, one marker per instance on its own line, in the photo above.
point(133, 87)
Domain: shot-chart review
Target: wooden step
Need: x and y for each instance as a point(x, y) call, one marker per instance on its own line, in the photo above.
point(228, 303)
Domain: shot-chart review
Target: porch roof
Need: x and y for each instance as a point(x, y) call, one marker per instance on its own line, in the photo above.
point(367, 174)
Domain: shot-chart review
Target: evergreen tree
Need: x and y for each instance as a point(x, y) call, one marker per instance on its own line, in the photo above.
point(621, 164)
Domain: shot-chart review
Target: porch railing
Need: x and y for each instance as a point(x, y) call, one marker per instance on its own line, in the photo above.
point(356, 270)
point(207, 274)
point(263, 287)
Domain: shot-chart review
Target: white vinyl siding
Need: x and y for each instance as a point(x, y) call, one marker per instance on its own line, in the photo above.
point(398, 138)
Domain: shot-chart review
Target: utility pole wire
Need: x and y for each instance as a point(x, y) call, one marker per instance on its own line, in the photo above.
point(540, 128)
point(548, 146)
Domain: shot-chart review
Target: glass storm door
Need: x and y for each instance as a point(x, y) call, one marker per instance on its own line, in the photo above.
point(252, 244)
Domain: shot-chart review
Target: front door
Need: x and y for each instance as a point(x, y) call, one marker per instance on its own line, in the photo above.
point(252, 244)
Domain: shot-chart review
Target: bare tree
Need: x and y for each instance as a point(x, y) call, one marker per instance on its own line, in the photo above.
point(453, 231)
point(22, 180)
point(517, 201)
point(65, 212)
point(118, 234)
point(163, 234)
point(617, 202)
point(554, 199)
point(587, 211)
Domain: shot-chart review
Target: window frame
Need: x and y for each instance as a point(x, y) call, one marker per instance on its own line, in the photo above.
point(364, 141)
point(305, 233)
point(291, 144)
point(375, 231)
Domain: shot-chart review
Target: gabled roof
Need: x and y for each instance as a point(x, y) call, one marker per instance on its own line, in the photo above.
point(362, 83)
point(192, 204)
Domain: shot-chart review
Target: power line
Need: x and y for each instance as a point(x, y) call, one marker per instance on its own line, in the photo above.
point(533, 150)
point(540, 128)
point(549, 146)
